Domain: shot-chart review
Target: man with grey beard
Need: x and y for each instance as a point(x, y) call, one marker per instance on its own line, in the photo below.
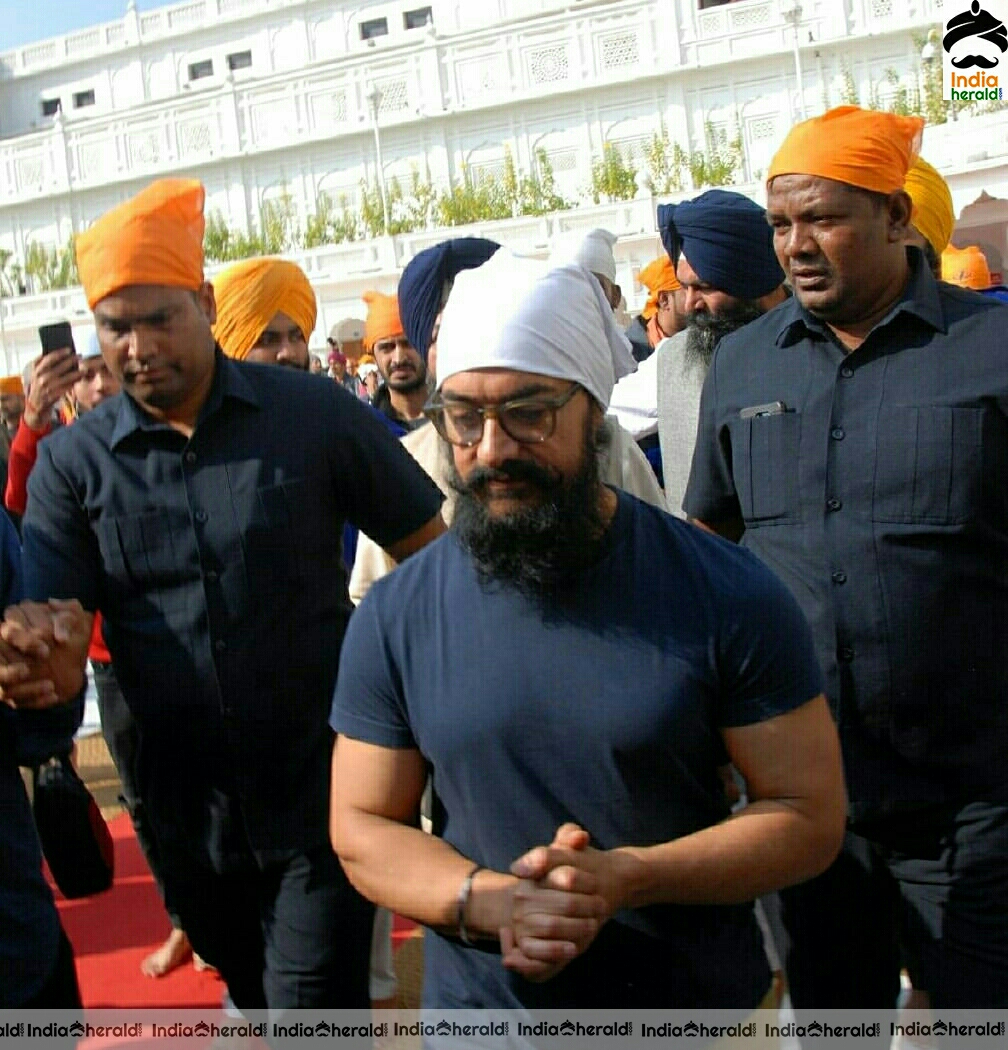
point(722, 249)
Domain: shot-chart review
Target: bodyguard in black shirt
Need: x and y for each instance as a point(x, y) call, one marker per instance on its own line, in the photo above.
point(857, 438)
point(201, 511)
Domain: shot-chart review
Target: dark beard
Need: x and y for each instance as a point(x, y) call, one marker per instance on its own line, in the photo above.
point(705, 330)
point(542, 549)
point(409, 385)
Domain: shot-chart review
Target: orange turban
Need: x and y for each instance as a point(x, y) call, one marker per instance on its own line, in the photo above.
point(933, 213)
point(154, 238)
point(382, 318)
point(967, 268)
point(872, 151)
point(657, 276)
point(12, 385)
point(250, 294)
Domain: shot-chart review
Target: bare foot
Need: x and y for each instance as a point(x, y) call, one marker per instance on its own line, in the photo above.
point(171, 954)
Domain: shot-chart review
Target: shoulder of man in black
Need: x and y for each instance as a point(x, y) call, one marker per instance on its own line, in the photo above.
point(762, 336)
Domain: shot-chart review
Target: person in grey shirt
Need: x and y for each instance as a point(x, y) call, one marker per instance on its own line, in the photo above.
point(722, 248)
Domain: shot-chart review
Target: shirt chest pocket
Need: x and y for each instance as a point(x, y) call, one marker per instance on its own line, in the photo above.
point(139, 550)
point(928, 464)
point(766, 466)
point(144, 560)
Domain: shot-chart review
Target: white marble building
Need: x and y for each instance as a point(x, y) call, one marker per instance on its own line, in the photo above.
point(260, 98)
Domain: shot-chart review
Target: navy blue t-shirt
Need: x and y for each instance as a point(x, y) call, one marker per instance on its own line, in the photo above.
point(606, 712)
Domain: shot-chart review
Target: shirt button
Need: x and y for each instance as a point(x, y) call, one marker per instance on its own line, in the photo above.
point(839, 577)
point(189, 458)
point(837, 434)
point(201, 516)
point(833, 503)
point(847, 371)
point(846, 654)
point(220, 645)
point(211, 576)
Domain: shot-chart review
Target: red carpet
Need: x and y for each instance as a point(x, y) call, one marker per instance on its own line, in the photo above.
point(112, 932)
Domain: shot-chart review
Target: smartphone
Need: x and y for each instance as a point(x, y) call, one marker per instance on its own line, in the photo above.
point(57, 336)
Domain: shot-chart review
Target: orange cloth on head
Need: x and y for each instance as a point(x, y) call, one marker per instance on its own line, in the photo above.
point(12, 385)
point(383, 321)
point(967, 268)
point(933, 213)
point(657, 276)
point(872, 151)
point(154, 238)
point(250, 294)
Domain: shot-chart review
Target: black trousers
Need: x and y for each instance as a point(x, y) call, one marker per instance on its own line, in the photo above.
point(123, 739)
point(928, 892)
point(61, 991)
point(291, 935)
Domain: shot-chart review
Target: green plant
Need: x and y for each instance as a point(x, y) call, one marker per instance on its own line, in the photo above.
point(535, 193)
point(849, 94)
point(412, 211)
point(905, 102)
point(51, 268)
point(666, 164)
point(329, 226)
point(217, 238)
point(6, 284)
point(475, 200)
point(278, 227)
point(719, 163)
point(613, 177)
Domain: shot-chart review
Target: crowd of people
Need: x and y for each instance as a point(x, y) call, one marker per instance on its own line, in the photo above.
point(693, 668)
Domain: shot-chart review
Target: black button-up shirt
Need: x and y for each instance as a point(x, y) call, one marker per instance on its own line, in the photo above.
point(216, 563)
point(878, 491)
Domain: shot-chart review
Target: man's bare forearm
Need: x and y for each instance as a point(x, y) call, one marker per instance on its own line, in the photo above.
point(418, 875)
point(764, 847)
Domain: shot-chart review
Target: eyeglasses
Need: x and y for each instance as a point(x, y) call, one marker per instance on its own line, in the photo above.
point(527, 420)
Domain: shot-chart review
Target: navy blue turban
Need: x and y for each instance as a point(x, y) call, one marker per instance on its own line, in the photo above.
point(726, 239)
point(423, 280)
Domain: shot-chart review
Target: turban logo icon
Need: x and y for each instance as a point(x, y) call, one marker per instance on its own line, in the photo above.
point(975, 38)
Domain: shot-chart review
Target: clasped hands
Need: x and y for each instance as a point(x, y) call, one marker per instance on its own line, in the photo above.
point(566, 892)
point(43, 646)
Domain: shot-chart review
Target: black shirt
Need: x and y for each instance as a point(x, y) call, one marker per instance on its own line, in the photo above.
point(216, 563)
point(879, 496)
point(383, 403)
point(639, 342)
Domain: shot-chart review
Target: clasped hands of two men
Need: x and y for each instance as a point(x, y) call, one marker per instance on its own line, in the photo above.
point(565, 893)
point(43, 650)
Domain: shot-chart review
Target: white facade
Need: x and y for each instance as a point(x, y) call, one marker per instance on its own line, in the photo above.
point(154, 94)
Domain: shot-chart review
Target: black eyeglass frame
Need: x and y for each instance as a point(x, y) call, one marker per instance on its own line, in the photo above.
point(435, 408)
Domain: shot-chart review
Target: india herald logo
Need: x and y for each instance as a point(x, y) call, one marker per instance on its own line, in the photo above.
point(968, 30)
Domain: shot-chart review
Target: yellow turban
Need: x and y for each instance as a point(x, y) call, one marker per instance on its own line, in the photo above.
point(932, 212)
point(12, 385)
point(657, 276)
point(967, 268)
point(872, 151)
point(383, 320)
point(155, 237)
point(250, 294)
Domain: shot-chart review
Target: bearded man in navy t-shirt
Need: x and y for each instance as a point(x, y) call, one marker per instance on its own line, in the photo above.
point(574, 666)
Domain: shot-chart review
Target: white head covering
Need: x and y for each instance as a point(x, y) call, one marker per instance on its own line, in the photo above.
point(594, 252)
point(91, 347)
point(519, 314)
